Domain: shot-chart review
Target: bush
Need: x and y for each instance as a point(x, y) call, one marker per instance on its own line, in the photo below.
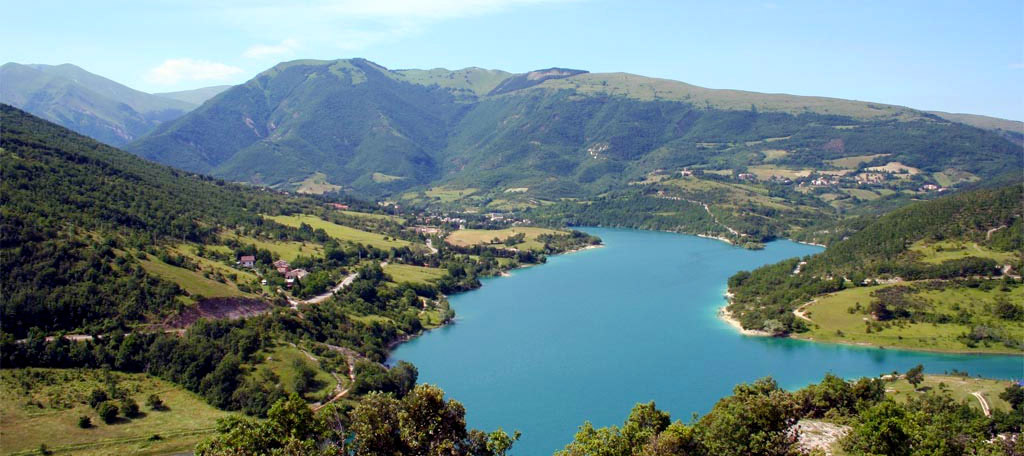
point(129, 407)
point(84, 422)
point(97, 397)
point(154, 402)
point(107, 412)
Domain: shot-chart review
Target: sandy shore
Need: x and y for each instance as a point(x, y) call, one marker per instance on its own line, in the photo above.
point(726, 316)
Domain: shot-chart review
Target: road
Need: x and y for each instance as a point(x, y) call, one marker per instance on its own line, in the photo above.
point(323, 297)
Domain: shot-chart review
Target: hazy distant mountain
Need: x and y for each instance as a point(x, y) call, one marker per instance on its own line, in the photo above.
point(554, 132)
point(195, 97)
point(86, 103)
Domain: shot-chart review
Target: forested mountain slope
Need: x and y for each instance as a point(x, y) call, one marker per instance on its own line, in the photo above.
point(72, 207)
point(86, 103)
point(548, 134)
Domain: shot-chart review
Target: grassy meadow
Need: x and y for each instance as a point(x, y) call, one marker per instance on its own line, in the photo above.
point(42, 407)
point(340, 232)
point(833, 322)
point(477, 237)
point(408, 273)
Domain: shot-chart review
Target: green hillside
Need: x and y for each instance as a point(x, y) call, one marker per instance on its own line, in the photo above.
point(86, 103)
point(937, 275)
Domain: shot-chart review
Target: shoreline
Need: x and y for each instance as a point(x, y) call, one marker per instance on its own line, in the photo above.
point(727, 317)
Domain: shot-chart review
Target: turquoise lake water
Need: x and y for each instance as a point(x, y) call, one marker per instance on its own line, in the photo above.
point(589, 334)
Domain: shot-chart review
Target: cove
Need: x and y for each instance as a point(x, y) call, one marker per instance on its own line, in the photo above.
point(589, 334)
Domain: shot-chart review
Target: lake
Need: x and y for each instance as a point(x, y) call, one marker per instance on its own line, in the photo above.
point(589, 334)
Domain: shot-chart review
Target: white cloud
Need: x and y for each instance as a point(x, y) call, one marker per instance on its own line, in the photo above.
point(260, 51)
point(351, 25)
point(173, 71)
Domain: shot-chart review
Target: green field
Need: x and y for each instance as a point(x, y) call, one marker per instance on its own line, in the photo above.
point(475, 237)
point(447, 195)
point(407, 273)
point(42, 406)
point(316, 185)
point(191, 281)
point(281, 361)
point(863, 194)
point(834, 323)
point(340, 232)
point(960, 388)
point(937, 252)
point(853, 161)
point(286, 250)
point(207, 264)
point(390, 218)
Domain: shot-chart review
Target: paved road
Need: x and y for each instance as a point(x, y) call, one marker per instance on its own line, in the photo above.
point(323, 297)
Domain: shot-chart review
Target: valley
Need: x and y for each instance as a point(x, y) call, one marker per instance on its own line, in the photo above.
point(292, 262)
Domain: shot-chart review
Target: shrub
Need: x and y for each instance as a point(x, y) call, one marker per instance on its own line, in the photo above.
point(129, 407)
point(154, 402)
point(84, 422)
point(107, 412)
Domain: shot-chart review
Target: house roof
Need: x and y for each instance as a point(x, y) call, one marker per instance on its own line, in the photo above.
point(248, 258)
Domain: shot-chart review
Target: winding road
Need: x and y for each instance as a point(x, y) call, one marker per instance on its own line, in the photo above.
point(323, 297)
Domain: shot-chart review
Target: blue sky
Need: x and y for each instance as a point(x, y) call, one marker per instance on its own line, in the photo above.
point(950, 56)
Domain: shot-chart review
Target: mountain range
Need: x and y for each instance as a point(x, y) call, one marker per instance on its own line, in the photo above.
point(93, 105)
point(555, 132)
point(351, 124)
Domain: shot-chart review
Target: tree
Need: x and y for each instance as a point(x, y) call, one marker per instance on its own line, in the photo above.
point(154, 402)
point(882, 429)
point(1014, 394)
point(107, 412)
point(305, 377)
point(757, 419)
point(97, 397)
point(84, 422)
point(129, 407)
point(915, 375)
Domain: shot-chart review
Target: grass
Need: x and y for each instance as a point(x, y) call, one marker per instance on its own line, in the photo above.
point(382, 178)
point(287, 250)
point(774, 154)
point(42, 406)
point(390, 218)
point(937, 252)
point(830, 315)
point(340, 232)
point(895, 167)
point(960, 388)
point(191, 281)
point(316, 185)
point(853, 161)
point(765, 172)
point(861, 193)
point(644, 88)
point(281, 361)
point(407, 273)
point(189, 251)
point(447, 195)
point(476, 237)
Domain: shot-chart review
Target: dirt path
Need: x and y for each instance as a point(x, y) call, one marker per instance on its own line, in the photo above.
point(350, 358)
point(984, 403)
point(800, 311)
